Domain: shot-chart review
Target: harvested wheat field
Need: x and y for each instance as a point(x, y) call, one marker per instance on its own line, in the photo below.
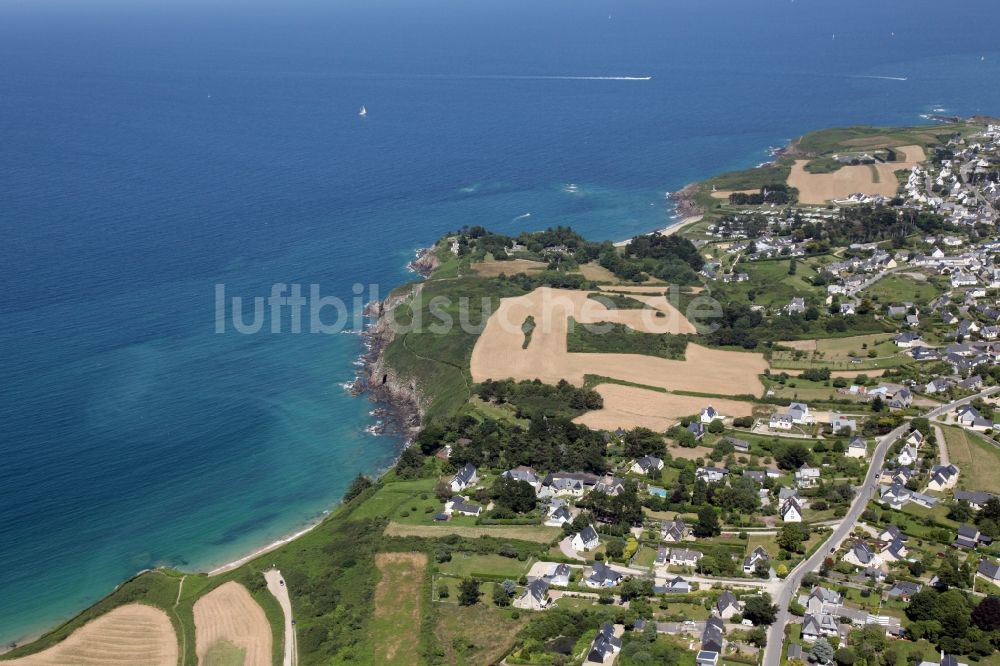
point(645, 288)
point(629, 407)
point(228, 614)
point(819, 188)
point(724, 194)
point(398, 601)
point(512, 267)
point(801, 345)
point(130, 635)
point(498, 353)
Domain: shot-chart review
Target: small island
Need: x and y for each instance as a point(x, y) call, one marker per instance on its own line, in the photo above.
point(762, 436)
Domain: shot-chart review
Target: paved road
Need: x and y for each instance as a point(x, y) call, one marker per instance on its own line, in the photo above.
point(276, 585)
point(566, 546)
point(776, 632)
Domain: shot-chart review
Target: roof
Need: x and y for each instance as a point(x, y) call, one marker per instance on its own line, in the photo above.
point(466, 473)
point(588, 534)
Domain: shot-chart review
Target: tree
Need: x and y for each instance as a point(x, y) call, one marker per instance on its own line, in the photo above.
point(360, 484)
point(514, 495)
point(845, 656)
point(986, 615)
point(442, 591)
point(760, 610)
point(708, 523)
point(468, 592)
point(502, 593)
point(791, 536)
point(792, 456)
point(716, 426)
point(822, 651)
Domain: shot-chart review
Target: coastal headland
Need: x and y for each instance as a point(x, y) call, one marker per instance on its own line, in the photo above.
point(661, 375)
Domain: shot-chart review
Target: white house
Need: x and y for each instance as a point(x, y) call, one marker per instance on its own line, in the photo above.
point(709, 414)
point(857, 448)
point(683, 557)
point(646, 464)
point(807, 477)
point(465, 478)
point(942, 477)
point(860, 555)
point(535, 596)
point(459, 504)
point(585, 539)
point(727, 605)
point(791, 511)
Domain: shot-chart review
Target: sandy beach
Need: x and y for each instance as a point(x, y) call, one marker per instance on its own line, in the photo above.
point(668, 231)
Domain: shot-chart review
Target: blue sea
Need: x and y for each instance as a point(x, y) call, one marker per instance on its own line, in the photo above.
point(151, 150)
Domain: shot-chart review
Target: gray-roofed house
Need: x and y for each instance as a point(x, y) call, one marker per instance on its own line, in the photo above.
point(459, 504)
point(861, 555)
point(727, 605)
point(821, 599)
point(820, 625)
point(757, 555)
point(903, 589)
point(857, 448)
point(535, 596)
point(969, 416)
point(968, 536)
point(465, 478)
point(942, 477)
point(603, 576)
point(647, 464)
point(684, 557)
point(977, 499)
point(673, 531)
point(989, 570)
point(585, 539)
point(523, 473)
point(605, 645)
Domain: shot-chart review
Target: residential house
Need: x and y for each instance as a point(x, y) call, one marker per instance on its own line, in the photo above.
point(535, 596)
point(461, 505)
point(816, 626)
point(558, 575)
point(610, 485)
point(860, 555)
point(937, 385)
point(841, 423)
point(713, 637)
point(989, 570)
point(605, 645)
point(821, 600)
point(942, 477)
point(572, 484)
point(647, 464)
point(673, 531)
point(807, 477)
point(522, 473)
point(697, 429)
point(796, 306)
point(711, 474)
point(977, 499)
point(907, 456)
point(857, 448)
point(675, 585)
point(903, 589)
point(739, 445)
point(791, 511)
point(684, 557)
point(709, 414)
point(968, 536)
point(969, 417)
point(780, 421)
point(894, 551)
point(750, 561)
point(585, 539)
point(907, 339)
point(558, 514)
point(727, 605)
point(603, 575)
point(892, 533)
point(465, 478)
point(662, 556)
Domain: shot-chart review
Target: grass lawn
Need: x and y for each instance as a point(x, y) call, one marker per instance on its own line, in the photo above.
point(978, 460)
point(767, 541)
point(897, 288)
point(398, 496)
point(464, 565)
point(538, 534)
point(480, 634)
point(772, 285)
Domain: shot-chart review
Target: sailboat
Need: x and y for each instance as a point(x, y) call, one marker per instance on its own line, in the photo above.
point(363, 112)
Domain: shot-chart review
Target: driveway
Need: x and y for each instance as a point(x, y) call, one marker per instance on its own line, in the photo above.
point(276, 585)
point(566, 546)
point(942, 446)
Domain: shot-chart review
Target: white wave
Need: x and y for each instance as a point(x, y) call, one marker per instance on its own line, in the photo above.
point(521, 217)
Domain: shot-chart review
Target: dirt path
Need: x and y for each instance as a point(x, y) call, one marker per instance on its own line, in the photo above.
point(276, 586)
point(942, 445)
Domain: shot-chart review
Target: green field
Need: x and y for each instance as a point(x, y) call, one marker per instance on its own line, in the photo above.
point(464, 565)
point(621, 339)
point(897, 288)
point(978, 460)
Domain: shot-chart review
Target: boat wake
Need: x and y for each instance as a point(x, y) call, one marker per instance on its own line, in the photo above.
point(884, 78)
point(521, 217)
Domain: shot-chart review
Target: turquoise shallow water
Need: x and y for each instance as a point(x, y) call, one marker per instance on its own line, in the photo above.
point(152, 150)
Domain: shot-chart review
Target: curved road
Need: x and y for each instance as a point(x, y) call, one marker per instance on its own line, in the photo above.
point(776, 632)
point(276, 585)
